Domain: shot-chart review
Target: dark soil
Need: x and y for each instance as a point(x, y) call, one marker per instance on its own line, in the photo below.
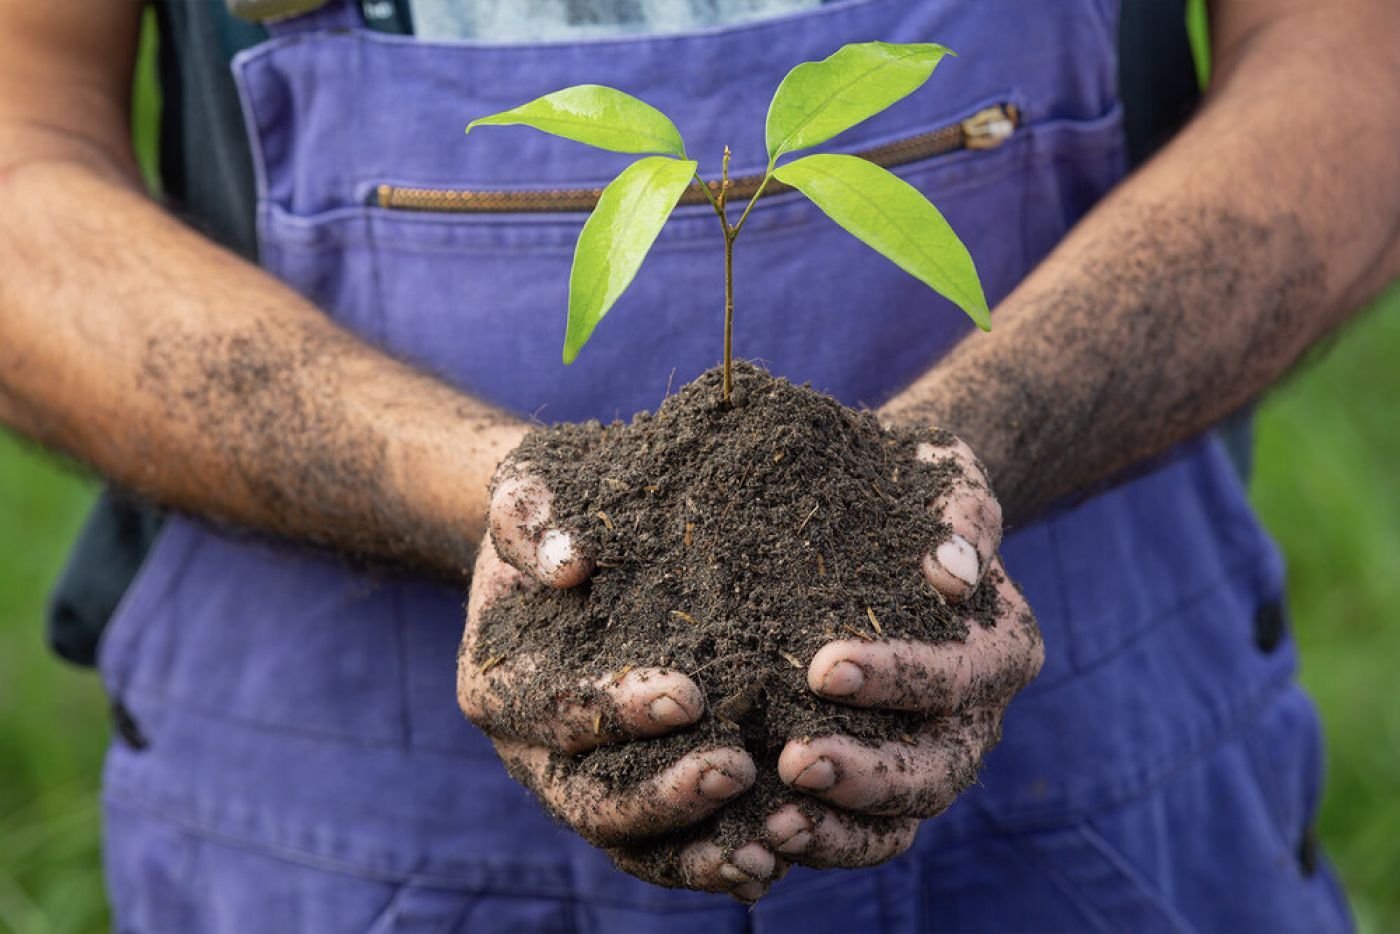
point(731, 544)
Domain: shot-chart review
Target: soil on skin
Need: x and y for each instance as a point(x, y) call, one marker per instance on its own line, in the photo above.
point(731, 544)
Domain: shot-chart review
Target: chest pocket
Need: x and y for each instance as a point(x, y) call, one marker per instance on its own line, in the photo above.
point(455, 254)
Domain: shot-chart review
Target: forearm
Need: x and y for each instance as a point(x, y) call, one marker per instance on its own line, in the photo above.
point(199, 381)
point(1203, 278)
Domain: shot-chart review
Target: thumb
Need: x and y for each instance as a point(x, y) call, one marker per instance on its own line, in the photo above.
point(523, 528)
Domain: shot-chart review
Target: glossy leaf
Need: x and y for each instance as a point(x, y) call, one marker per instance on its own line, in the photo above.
point(818, 100)
point(895, 219)
point(597, 115)
point(616, 238)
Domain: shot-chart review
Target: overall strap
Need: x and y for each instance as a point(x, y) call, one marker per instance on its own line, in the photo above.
point(290, 17)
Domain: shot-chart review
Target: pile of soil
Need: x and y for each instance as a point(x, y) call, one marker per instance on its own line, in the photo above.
point(732, 542)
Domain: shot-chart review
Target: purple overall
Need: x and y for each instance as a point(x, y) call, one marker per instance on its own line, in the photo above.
point(306, 767)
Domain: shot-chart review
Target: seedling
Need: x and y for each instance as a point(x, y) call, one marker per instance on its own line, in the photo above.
point(815, 102)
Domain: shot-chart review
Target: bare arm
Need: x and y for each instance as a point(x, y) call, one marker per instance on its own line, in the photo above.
point(181, 371)
point(1203, 278)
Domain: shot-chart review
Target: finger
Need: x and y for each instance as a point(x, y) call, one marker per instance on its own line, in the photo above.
point(640, 703)
point(689, 789)
point(992, 664)
point(837, 839)
point(492, 579)
point(972, 513)
point(521, 521)
point(643, 703)
point(747, 874)
point(920, 777)
point(704, 867)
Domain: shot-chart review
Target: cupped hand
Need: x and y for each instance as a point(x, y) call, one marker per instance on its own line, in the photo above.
point(878, 794)
point(632, 824)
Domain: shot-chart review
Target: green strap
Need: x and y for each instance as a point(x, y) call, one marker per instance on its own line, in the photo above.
point(1198, 29)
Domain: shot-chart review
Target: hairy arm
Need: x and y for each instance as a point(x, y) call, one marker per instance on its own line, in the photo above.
point(1268, 221)
point(179, 370)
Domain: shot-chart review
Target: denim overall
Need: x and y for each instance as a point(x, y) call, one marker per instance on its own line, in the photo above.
point(295, 760)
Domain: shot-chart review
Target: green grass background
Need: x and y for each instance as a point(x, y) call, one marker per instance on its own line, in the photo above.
point(1326, 484)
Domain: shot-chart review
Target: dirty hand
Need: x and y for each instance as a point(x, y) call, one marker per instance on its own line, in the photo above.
point(646, 702)
point(962, 688)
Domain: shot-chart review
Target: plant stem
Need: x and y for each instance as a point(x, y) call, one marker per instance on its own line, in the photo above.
point(728, 314)
point(749, 207)
point(720, 205)
point(706, 189)
point(729, 234)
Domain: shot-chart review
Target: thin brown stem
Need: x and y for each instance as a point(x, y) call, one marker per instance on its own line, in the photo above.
point(749, 207)
point(729, 234)
point(706, 189)
point(728, 315)
point(724, 179)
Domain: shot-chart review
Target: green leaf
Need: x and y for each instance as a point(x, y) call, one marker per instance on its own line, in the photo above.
point(896, 219)
point(817, 100)
point(616, 238)
point(597, 115)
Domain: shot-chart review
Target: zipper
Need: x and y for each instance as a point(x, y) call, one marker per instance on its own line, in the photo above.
point(986, 129)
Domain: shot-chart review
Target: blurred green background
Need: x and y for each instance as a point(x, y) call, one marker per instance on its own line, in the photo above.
point(1326, 484)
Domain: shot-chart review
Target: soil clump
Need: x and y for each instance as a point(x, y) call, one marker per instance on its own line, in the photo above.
point(731, 544)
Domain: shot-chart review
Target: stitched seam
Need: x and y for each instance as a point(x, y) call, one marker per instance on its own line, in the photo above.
point(347, 738)
point(1021, 846)
point(420, 879)
point(379, 925)
point(1129, 872)
point(161, 698)
point(1274, 792)
point(1241, 570)
point(138, 595)
point(1234, 722)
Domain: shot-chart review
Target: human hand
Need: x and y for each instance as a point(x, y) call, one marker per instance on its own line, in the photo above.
point(872, 812)
point(633, 823)
point(962, 688)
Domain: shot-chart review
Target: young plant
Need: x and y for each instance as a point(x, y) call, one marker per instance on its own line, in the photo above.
point(815, 102)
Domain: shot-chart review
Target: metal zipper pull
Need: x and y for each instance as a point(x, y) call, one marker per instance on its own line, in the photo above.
point(989, 128)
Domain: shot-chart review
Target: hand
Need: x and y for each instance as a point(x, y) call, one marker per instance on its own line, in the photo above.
point(962, 688)
point(646, 702)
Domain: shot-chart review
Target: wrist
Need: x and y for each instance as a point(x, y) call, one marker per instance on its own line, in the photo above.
point(442, 476)
point(917, 407)
point(483, 451)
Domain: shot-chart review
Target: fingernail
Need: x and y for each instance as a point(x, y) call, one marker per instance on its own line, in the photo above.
point(556, 548)
point(959, 559)
point(795, 844)
point(843, 679)
point(819, 776)
point(717, 786)
point(731, 873)
point(749, 891)
point(666, 712)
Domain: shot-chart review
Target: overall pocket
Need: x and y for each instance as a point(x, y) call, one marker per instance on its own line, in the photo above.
point(230, 627)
